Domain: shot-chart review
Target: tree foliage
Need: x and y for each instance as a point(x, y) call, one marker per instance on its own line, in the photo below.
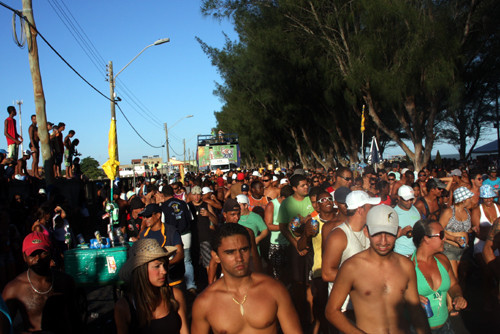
point(90, 168)
point(295, 82)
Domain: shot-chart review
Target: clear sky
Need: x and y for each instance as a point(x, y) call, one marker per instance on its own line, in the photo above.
point(166, 83)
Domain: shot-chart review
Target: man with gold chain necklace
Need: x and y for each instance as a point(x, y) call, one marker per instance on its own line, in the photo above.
point(241, 301)
point(45, 298)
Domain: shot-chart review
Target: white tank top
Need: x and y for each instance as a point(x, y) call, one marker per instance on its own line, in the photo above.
point(356, 243)
point(483, 220)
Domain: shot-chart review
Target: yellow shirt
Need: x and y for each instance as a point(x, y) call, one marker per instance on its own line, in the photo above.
point(316, 242)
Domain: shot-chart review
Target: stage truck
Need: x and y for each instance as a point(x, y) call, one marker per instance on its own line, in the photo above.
point(220, 151)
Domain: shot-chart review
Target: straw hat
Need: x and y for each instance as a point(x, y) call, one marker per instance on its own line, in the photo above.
point(141, 252)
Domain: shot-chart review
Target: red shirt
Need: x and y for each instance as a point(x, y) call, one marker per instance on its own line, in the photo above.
point(11, 130)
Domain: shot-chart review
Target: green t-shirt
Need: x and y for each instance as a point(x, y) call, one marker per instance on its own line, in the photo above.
point(254, 222)
point(291, 208)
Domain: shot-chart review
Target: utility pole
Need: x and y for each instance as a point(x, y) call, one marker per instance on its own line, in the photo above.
point(184, 142)
point(36, 77)
point(111, 79)
point(19, 103)
point(168, 152)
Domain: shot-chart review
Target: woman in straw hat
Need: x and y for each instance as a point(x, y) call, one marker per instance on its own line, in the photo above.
point(151, 306)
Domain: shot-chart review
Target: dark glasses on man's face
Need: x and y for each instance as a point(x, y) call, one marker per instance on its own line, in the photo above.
point(266, 180)
point(440, 235)
point(346, 178)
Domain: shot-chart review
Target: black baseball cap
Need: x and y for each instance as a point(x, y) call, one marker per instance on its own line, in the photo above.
point(150, 210)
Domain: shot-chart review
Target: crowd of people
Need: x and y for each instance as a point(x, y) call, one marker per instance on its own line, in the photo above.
point(318, 251)
point(15, 167)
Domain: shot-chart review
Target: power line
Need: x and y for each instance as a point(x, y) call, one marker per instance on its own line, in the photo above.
point(18, 13)
point(96, 58)
point(135, 129)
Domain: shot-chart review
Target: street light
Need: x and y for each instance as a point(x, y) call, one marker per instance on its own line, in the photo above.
point(168, 151)
point(112, 81)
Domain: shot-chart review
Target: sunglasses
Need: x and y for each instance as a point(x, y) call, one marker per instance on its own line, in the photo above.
point(440, 235)
point(325, 199)
point(346, 178)
point(266, 180)
point(315, 181)
point(391, 179)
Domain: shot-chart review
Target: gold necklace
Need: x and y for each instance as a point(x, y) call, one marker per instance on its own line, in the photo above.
point(242, 310)
point(34, 289)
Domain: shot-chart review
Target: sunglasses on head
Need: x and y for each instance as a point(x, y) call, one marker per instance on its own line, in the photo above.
point(325, 199)
point(440, 235)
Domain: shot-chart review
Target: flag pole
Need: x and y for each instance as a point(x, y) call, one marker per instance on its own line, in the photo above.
point(363, 134)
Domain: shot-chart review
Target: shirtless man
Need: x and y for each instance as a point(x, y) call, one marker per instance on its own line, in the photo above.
point(44, 298)
point(381, 302)
point(428, 205)
point(270, 191)
point(34, 146)
point(240, 302)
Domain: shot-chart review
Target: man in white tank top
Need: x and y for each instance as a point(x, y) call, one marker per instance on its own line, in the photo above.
point(350, 237)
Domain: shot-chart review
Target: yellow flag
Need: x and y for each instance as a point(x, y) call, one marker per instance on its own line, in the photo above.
point(363, 119)
point(110, 167)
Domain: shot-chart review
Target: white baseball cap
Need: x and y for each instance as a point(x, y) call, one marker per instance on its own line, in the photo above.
point(275, 178)
point(358, 198)
point(406, 192)
point(205, 190)
point(233, 176)
point(382, 218)
point(284, 181)
point(242, 199)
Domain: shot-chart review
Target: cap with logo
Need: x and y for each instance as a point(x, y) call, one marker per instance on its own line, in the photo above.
point(382, 218)
point(245, 187)
point(35, 241)
point(406, 192)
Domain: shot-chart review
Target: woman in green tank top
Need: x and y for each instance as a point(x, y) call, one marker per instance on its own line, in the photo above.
point(435, 277)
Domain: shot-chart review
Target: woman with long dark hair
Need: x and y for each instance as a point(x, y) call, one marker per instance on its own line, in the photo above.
point(435, 277)
point(151, 306)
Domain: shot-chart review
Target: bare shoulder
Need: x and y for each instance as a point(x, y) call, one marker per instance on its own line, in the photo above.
point(13, 287)
point(208, 295)
point(266, 281)
point(336, 235)
point(405, 263)
point(122, 307)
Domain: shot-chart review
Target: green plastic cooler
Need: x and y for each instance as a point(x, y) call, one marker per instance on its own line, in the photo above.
point(91, 266)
